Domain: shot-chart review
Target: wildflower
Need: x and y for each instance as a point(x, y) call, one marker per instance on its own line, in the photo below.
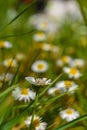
point(69, 114)
point(67, 85)
point(39, 37)
point(38, 81)
point(20, 57)
point(5, 44)
point(78, 63)
point(47, 26)
point(23, 94)
point(53, 91)
point(63, 60)
point(37, 123)
point(10, 62)
point(34, 21)
point(39, 66)
point(6, 77)
point(72, 72)
point(49, 47)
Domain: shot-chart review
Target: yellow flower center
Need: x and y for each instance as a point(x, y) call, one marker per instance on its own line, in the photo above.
point(68, 83)
point(44, 24)
point(36, 122)
point(40, 34)
point(73, 71)
point(10, 63)
point(56, 92)
point(2, 44)
point(40, 66)
point(65, 59)
point(69, 111)
point(25, 91)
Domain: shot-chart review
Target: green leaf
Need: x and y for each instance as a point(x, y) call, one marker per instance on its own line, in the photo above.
point(8, 90)
point(67, 125)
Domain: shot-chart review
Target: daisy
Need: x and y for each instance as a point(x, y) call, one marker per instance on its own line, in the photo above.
point(67, 85)
point(20, 57)
point(53, 91)
point(43, 25)
point(63, 60)
point(5, 44)
point(37, 123)
point(49, 47)
point(10, 62)
point(72, 72)
point(23, 94)
point(38, 81)
point(47, 26)
point(37, 18)
point(39, 37)
point(78, 63)
point(6, 77)
point(39, 66)
point(69, 114)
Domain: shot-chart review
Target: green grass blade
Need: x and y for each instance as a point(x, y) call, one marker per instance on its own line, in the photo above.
point(67, 125)
point(17, 16)
point(18, 35)
point(8, 90)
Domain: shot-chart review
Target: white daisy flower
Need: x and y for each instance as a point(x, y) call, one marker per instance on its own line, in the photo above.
point(41, 18)
point(5, 44)
point(72, 72)
point(78, 63)
point(20, 57)
point(53, 91)
point(39, 66)
point(43, 25)
point(47, 26)
point(67, 85)
point(69, 114)
point(63, 60)
point(10, 62)
point(6, 77)
point(37, 123)
point(38, 81)
point(39, 37)
point(23, 94)
point(49, 47)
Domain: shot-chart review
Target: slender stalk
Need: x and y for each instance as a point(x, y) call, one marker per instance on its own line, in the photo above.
point(82, 11)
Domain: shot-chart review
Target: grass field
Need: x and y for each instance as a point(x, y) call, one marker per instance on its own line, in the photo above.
point(43, 68)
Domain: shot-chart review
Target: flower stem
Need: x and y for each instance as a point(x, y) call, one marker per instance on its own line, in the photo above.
point(82, 12)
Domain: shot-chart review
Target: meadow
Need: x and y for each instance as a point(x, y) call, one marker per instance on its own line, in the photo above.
point(43, 68)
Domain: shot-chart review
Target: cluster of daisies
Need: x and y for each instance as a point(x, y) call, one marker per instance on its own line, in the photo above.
point(46, 30)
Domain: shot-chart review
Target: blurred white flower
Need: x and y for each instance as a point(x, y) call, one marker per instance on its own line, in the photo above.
point(20, 56)
point(38, 81)
point(53, 91)
point(39, 37)
point(37, 18)
point(10, 62)
point(78, 63)
point(63, 60)
point(58, 9)
point(72, 72)
point(66, 85)
point(49, 47)
point(69, 114)
point(5, 44)
point(37, 123)
point(39, 66)
point(6, 77)
point(23, 94)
